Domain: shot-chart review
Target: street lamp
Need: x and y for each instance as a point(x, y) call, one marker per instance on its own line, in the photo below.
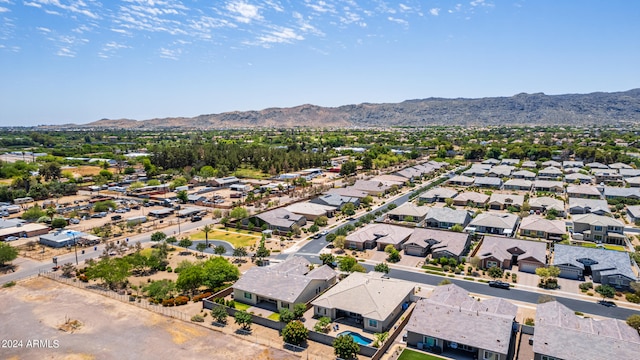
point(75, 243)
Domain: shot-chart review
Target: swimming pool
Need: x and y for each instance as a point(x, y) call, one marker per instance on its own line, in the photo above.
point(357, 337)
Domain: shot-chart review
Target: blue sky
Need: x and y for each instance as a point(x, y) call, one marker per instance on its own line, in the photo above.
point(77, 61)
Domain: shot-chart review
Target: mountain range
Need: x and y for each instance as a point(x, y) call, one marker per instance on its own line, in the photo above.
point(600, 108)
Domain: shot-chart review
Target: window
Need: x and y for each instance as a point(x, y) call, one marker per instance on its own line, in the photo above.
point(540, 233)
point(491, 264)
point(597, 228)
point(373, 323)
point(247, 295)
point(429, 341)
point(488, 355)
point(284, 305)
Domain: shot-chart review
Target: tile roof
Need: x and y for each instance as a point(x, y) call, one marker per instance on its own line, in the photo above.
point(495, 220)
point(533, 223)
point(410, 209)
point(611, 260)
point(387, 234)
point(448, 215)
point(498, 247)
point(439, 240)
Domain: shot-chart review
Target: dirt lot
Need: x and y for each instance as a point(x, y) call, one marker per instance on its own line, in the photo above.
point(108, 329)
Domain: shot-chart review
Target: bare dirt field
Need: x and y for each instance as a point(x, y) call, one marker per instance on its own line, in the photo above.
point(101, 328)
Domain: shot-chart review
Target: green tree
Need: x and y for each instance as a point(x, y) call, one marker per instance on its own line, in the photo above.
point(7, 253)
point(495, 272)
point(327, 259)
point(321, 221)
point(243, 319)
point(183, 196)
point(206, 230)
point(158, 236)
point(339, 241)
point(240, 252)
point(286, 315)
point(262, 251)
point(299, 310)
point(331, 237)
point(444, 282)
point(177, 182)
point(382, 267)
point(171, 240)
point(68, 269)
point(394, 254)
point(219, 314)
point(185, 242)
point(634, 322)
point(219, 250)
point(106, 205)
point(605, 291)
point(160, 289)
point(112, 271)
point(58, 223)
point(295, 333)
point(347, 263)
point(201, 247)
point(367, 200)
point(457, 228)
point(322, 325)
point(380, 339)
point(348, 168)
point(314, 228)
point(345, 347)
point(33, 213)
point(218, 270)
point(348, 209)
point(238, 213)
point(190, 277)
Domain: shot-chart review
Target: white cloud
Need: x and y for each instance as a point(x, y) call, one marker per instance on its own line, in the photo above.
point(4, 9)
point(244, 12)
point(44, 29)
point(398, 21)
point(66, 52)
point(320, 6)
point(170, 54)
point(74, 6)
point(279, 35)
point(32, 4)
point(434, 11)
point(404, 7)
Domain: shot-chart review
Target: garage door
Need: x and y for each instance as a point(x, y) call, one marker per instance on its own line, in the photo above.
point(528, 267)
point(569, 273)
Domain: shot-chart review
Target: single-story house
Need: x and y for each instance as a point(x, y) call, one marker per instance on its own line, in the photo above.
point(439, 243)
point(510, 162)
point(523, 174)
point(611, 192)
point(445, 218)
point(490, 161)
point(549, 173)
point(529, 164)
point(627, 173)
point(488, 182)
point(348, 192)
point(471, 198)
point(408, 212)
point(461, 180)
point(633, 182)
point(390, 180)
point(503, 201)
point(552, 163)
point(358, 297)
point(561, 334)
point(533, 226)
point(373, 188)
point(500, 171)
point(310, 210)
point(336, 201)
point(240, 187)
point(620, 165)
point(494, 223)
point(225, 181)
point(283, 284)
point(608, 267)
point(548, 186)
point(579, 178)
point(584, 191)
point(438, 194)
point(633, 213)
point(377, 235)
point(545, 203)
point(279, 219)
point(453, 321)
point(518, 184)
point(506, 252)
point(410, 173)
point(23, 230)
point(596, 165)
point(62, 238)
point(572, 164)
point(585, 206)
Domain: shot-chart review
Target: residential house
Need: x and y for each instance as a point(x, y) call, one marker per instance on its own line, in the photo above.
point(550, 173)
point(620, 166)
point(494, 223)
point(538, 227)
point(585, 206)
point(491, 161)
point(621, 193)
point(408, 212)
point(438, 194)
point(378, 235)
point(225, 181)
point(544, 203)
point(310, 210)
point(439, 243)
point(510, 162)
point(446, 218)
point(454, 322)
point(283, 284)
point(599, 229)
point(336, 201)
point(608, 267)
point(524, 174)
point(18, 228)
point(500, 171)
point(572, 164)
point(506, 252)
point(409, 174)
point(461, 180)
point(552, 163)
point(390, 180)
point(561, 334)
point(476, 171)
point(504, 201)
point(348, 192)
point(471, 199)
point(65, 238)
point(548, 186)
point(488, 182)
point(374, 188)
point(279, 219)
point(358, 298)
point(607, 176)
point(529, 164)
point(633, 213)
point(627, 173)
point(518, 185)
point(583, 191)
point(633, 182)
point(596, 165)
point(578, 178)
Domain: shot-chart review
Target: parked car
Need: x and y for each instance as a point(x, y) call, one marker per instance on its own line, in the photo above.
point(11, 238)
point(607, 303)
point(74, 221)
point(324, 233)
point(120, 211)
point(196, 218)
point(499, 284)
point(116, 217)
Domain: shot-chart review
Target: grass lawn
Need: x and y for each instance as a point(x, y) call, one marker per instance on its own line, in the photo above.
point(250, 173)
point(274, 317)
point(146, 252)
point(241, 306)
point(236, 239)
point(606, 246)
point(414, 355)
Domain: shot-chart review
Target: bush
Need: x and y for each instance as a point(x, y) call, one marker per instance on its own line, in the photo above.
point(168, 302)
point(199, 297)
point(197, 318)
point(446, 268)
point(514, 278)
point(9, 284)
point(181, 300)
point(529, 321)
point(586, 286)
point(632, 298)
point(169, 269)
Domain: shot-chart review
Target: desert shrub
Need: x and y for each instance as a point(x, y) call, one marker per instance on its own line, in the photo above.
point(169, 269)
point(199, 297)
point(529, 321)
point(586, 286)
point(632, 298)
point(168, 302)
point(197, 318)
point(514, 278)
point(181, 300)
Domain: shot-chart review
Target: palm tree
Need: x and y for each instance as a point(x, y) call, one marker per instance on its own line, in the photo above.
point(206, 229)
point(50, 212)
